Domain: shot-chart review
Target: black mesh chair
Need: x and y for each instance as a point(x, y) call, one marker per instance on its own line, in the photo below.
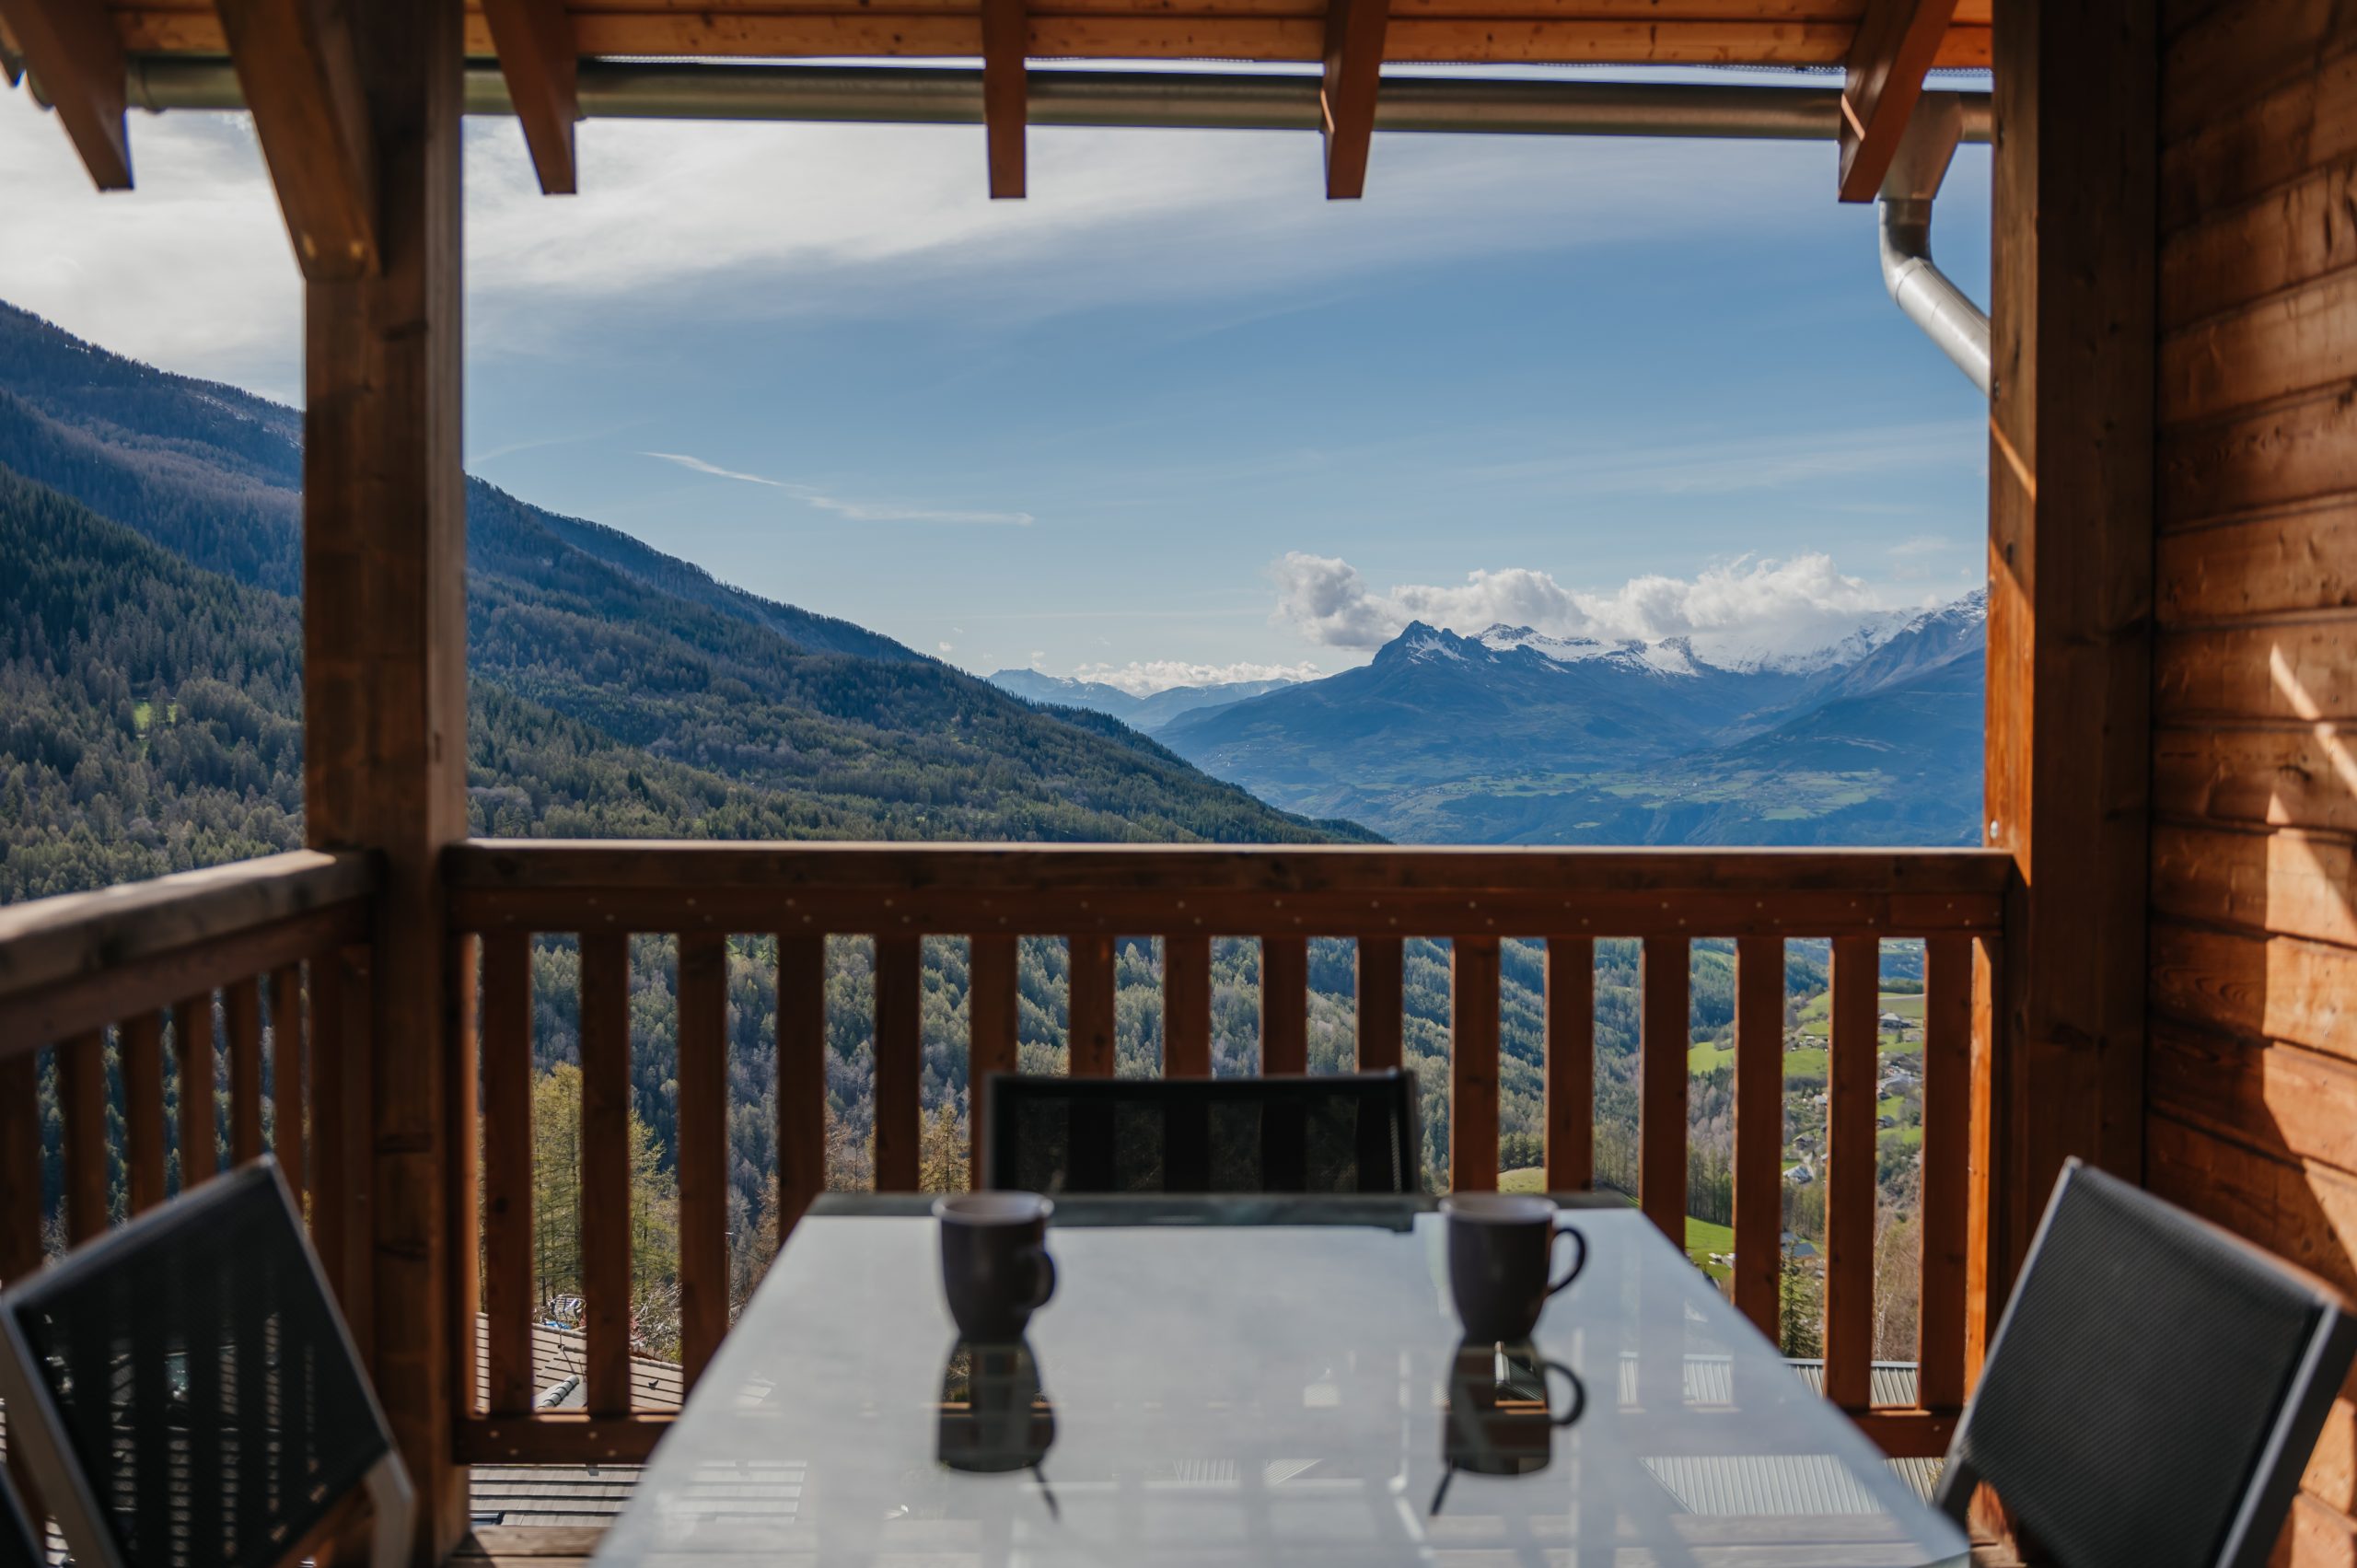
point(2153, 1389)
point(20, 1546)
point(1341, 1132)
point(187, 1394)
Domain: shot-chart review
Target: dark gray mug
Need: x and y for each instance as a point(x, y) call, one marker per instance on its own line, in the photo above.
point(1500, 1245)
point(995, 1270)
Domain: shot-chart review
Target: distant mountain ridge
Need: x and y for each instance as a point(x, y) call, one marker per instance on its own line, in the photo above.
point(1510, 736)
point(1148, 712)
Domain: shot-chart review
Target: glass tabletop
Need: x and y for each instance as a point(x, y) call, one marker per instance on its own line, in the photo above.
point(1242, 1381)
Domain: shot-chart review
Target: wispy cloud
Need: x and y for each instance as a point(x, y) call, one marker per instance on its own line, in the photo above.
point(857, 511)
point(1141, 678)
point(1730, 466)
point(700, 466)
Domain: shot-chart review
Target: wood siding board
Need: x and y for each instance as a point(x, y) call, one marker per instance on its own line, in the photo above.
point(510, 1293)
point(1760, 1131)
point(2261, 987)
point(1570, 1109)
point(702, 1154)
point(2259, 774)
point(1284, 1004)
point(2285, 881)
point(801, 1076)
point(2299, 672)
point(1473, 964)
point(2238, 54)
point(605, 1170)
point(1665, 1038)
point(1856, 1011)
point(2282, 454)
point(2262, 249)
point(2296, 341)
point(900, 1063)
point(2280, 562)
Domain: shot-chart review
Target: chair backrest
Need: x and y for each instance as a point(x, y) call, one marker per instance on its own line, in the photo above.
point(1331, 1132)
point(186, 1392)
point(20, 1546)
point(2153, 1389)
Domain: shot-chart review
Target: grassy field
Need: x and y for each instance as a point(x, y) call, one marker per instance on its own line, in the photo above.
point(1702, 1237)
point(1905, 1004)
point(1807, 1062)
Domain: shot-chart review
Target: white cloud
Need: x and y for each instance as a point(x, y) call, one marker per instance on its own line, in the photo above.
point(857, 511)
point(944, 647)
point(700, 466)
point(1744, 607)
point(193, 270)
point(1143, 678)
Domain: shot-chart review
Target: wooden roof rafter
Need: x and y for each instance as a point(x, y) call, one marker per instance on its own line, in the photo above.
point(76, 61)
point(296, 61)
point(538, 56)
point(1897, 41)
point(1006, 94)
point(1354, 38)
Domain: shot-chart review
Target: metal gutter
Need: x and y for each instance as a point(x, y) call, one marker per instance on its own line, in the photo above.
point(1233, 100)
point(1929, 296)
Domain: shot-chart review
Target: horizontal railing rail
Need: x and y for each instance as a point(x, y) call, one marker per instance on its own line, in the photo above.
point(604, 893)
point(206, 990)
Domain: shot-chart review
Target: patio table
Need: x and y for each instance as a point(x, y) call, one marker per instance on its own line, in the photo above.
point(1249, 1381)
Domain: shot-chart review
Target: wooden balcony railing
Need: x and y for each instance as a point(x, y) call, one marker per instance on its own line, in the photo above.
point(605, 893)
point(133, 991)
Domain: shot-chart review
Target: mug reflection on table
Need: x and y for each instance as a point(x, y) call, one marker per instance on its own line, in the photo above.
point(1500, 1421)
point(995, 1416)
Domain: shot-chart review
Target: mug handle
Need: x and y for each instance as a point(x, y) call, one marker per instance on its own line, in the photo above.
point(1579, 1393)
point(1578, 1263)
point(1044, 1272)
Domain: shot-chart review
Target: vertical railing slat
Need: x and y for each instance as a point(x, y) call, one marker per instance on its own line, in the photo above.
point(605, 1168)
point(1759, 1129)
point(82, 1103)
point(1186, 1006)
point(1570, 1109)
point(1090, 1006)
point(140, 1041)
point(20, 1183)
point(801, 1076)
point(241, 1011)
point(1850, 1181)
point(1382, 984)
point(462, 1136)
point(1664, 1037)
point(1473, 1064)
point(193, 1051)
point(991, 1018)
point(510, 1299)
point(900, 1063)
point(1947, 1123)
point(1285, 1006)
point(286, 1074)
point(1983, 1286)
point(703, 1148)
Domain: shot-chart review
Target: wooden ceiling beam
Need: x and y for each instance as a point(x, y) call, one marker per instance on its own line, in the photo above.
point(295, 64)
point(538, 56)
point(1897, 41)
point(1006, 93)
point(1355, 32)
point(76, 61)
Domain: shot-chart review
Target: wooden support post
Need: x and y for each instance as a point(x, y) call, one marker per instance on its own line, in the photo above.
point(1006, 108)
point(76, 61)
point(542, 67)
point(1571, 1064)
point(1896, 42)
point(299, 67)
point(362, 135)
point(2070, 601)
point(1354, 38)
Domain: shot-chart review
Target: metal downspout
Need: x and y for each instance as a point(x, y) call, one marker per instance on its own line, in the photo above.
point(1930, 298)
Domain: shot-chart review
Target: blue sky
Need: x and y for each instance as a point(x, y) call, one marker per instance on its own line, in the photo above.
point(1175, 415)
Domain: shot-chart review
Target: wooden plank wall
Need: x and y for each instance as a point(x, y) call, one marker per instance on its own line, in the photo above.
point(2252, 1070)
